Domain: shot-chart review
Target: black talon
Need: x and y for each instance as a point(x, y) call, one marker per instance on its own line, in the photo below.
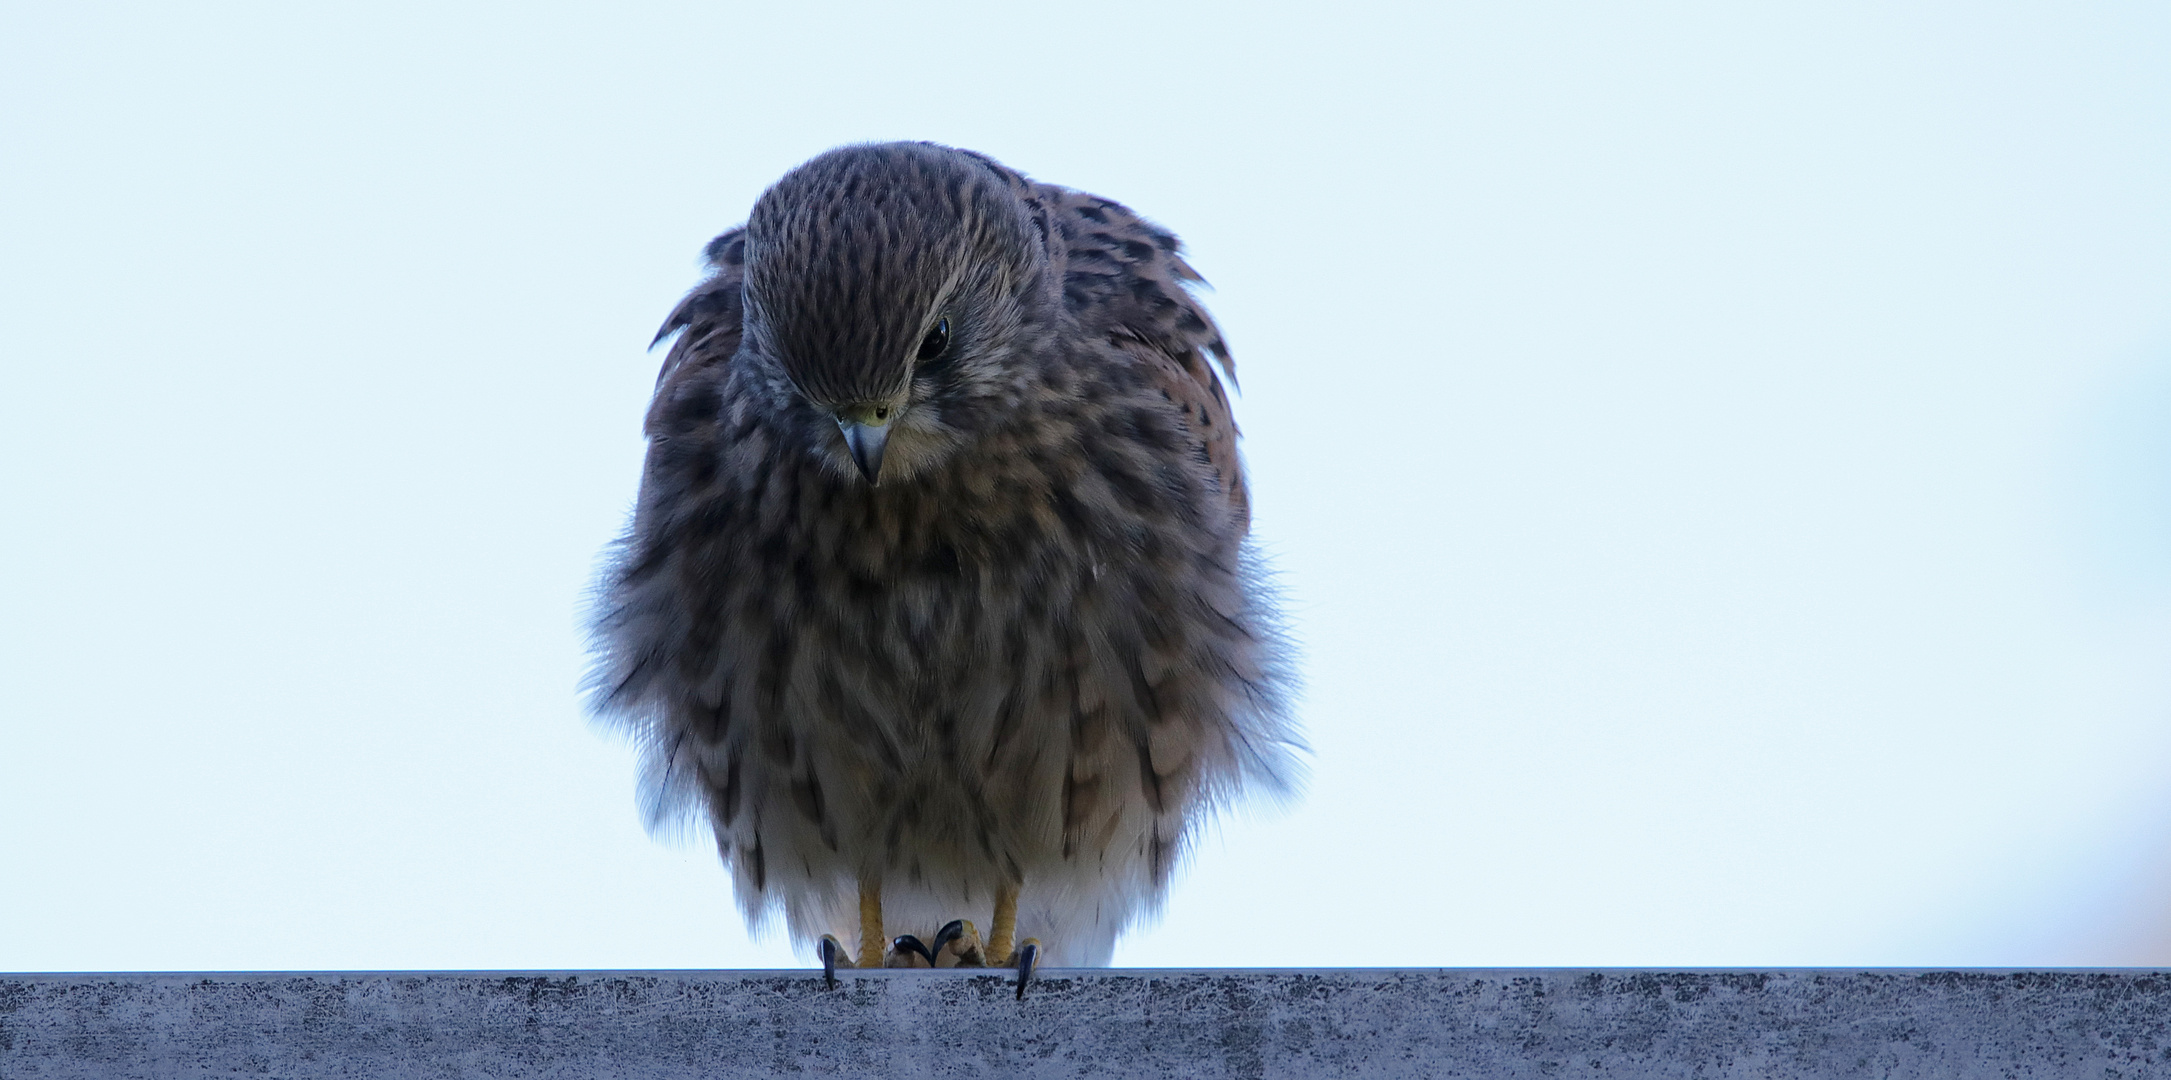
point(908, 943)
point(828, 949)
point(1027, 954)
point(950, 932)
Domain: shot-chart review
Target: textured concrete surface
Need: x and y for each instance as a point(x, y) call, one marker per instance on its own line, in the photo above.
point(1383, 1023)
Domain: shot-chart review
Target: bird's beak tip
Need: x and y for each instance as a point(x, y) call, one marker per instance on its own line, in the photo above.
point(865, 442)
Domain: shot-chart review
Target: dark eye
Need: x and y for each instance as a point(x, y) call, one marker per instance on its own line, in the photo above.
point(936, 342)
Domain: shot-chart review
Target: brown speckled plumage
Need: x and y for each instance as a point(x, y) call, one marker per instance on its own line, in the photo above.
point(1037, 651)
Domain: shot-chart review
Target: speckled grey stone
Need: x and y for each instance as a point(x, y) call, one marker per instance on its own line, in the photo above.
point(1101, 1023)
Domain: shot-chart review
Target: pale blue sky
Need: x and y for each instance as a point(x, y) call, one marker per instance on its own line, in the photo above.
point(1719, 456)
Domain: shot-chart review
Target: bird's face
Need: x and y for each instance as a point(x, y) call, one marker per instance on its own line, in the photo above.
point(895, 286)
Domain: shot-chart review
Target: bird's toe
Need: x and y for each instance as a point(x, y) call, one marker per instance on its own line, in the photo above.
point(958, 945)
point(908, 951)
point(833, 957)
point(1028, 959)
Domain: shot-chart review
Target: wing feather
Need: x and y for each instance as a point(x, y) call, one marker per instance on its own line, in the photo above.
point(708, 322)
point(1126, 279)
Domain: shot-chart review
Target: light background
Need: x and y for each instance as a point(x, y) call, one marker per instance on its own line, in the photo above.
point(1719, 457)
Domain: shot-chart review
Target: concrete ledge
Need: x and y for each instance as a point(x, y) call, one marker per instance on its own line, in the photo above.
point(1114, 1023)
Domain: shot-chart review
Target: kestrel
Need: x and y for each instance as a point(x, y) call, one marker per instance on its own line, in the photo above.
point(937, 600)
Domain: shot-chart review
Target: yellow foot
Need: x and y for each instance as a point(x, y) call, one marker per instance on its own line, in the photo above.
point(962, 950)
point(1006, 921)
point(870, 924)
point(955, 945)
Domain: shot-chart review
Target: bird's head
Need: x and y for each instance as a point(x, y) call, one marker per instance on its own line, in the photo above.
point(894, 285)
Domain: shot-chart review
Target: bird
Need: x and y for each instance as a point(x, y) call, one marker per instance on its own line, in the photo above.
point(938, 601)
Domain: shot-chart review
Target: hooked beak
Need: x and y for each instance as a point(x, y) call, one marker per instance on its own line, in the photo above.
point(866, 432)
